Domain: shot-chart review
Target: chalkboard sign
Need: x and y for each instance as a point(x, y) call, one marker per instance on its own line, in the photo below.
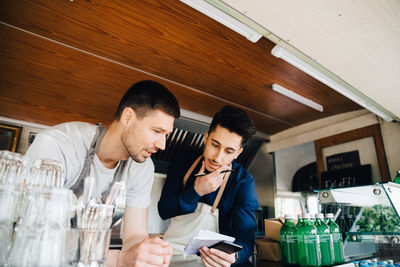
point(360, 175)
point(343, 161)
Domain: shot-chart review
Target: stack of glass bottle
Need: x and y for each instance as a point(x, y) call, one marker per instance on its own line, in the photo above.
point(311, 242)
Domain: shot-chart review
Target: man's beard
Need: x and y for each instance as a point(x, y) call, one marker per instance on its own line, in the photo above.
point(132, 154)
point(135, 157)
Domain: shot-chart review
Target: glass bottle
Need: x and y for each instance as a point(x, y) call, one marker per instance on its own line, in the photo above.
point(299, 225)
point(307, 243)
point(313, 217)
point(299, 220)
point(288, 242)
point(337, 239)
point(325, 241)
point(397, 178)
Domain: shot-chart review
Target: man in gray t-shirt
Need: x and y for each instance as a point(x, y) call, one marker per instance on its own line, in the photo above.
point(122, 151)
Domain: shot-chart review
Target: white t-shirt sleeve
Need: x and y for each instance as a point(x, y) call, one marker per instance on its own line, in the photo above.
point(140, 177)
point(45, 147)
point(53, 144)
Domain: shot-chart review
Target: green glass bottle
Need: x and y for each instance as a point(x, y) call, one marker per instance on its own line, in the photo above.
point(325, 241)
point(336, 238)
point(299, 220)
point(307, 243)
point(397, 178)
point(299, 225)
point(288, 242)
point(313, 217)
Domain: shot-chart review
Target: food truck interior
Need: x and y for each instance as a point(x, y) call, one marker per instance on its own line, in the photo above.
point(319, 80)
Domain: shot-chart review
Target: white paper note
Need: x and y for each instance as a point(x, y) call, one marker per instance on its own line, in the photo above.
point(205, 238)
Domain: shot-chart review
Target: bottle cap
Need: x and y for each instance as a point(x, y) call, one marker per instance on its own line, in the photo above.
point(300, 216)
point(289, 216)
point(320, 216)
point(312, 215)
point(306, 216)
point(329, 216)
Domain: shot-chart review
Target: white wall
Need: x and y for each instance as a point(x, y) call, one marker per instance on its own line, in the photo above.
point(262, 169)
point(391, 142)
point(289, 160)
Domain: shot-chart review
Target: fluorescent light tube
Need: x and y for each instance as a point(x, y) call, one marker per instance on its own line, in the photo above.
point(223, 18)
point(289, 93)
point(282, 53)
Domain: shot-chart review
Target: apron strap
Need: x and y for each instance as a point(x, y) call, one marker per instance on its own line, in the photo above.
point(77, 188)
point(221, 189)
point(189, 172)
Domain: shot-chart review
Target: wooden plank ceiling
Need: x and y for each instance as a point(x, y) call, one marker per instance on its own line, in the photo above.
point(72, 60)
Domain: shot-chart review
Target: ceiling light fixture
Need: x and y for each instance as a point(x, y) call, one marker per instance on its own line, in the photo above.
point(223, 18)
point(358, 98)
point(289, 93)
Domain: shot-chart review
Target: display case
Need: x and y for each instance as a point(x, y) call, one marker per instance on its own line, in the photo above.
point(374, 231)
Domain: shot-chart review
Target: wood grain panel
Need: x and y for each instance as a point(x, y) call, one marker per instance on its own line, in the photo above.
point(48, 83)
point(164, 38)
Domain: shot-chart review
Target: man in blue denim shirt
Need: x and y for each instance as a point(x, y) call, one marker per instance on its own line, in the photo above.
point(229, 131)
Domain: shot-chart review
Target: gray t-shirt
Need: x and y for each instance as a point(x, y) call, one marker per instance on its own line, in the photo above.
point(69, 143)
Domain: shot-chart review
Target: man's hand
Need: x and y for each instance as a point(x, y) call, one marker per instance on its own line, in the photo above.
point(214, 257)
point(149, 252)
point(210, 182)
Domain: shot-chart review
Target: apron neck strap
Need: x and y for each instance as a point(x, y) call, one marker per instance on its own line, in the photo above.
point(221, 189)
point(77, 188)
point(189, 172)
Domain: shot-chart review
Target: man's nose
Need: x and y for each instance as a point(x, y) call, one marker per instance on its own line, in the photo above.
point(219, 156)
point(160, 143)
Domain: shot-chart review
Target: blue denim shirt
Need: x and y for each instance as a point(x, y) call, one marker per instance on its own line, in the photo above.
point(236, 207)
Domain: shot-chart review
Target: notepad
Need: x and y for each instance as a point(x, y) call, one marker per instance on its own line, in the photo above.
point(205, 238)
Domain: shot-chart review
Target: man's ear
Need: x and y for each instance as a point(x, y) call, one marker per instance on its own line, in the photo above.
point(128, 114)
point(240, 151)
point(205, 137)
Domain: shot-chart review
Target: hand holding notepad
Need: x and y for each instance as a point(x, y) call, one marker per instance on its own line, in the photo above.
point(205, 238)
